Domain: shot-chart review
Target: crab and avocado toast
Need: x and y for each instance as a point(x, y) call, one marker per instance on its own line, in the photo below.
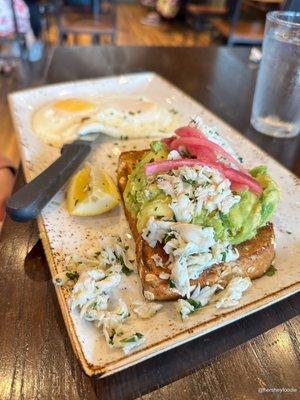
point(197, 215)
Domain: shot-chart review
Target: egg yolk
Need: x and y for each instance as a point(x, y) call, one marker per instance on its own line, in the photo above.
point(74, 105)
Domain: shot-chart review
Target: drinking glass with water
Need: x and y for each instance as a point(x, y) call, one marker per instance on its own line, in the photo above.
point(276, 105)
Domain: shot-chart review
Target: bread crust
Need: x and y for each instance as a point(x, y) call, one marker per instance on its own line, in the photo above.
point(256, 254)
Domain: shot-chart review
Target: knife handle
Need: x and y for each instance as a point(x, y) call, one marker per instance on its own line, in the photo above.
point(27, 203)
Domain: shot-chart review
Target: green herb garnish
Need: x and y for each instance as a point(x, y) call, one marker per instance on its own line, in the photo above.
point(73, 276)
point(172, 284)
point(111, 337)
point(271, 271)
point(168, 237)
point(189, 181)
point(126, 270)
point(132, 339)
point(195, 304)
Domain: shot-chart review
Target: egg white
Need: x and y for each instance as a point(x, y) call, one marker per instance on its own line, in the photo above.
point(121, 117)
point(129, 117)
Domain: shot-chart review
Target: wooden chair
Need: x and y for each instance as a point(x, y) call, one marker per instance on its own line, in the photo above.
point(244, 31)
point(101, 27)
point(197, 14)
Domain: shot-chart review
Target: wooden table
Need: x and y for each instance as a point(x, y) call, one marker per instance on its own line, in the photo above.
point(235, 362)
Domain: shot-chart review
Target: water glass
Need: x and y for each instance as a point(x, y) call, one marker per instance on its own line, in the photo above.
point(276, 104)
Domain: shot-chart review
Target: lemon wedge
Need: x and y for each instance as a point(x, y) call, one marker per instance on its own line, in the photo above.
point(91, 192)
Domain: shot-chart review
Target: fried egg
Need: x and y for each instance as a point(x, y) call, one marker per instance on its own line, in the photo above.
point(122, 117)
point(58, 122)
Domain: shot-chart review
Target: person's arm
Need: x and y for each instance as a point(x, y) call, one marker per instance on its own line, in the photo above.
point(7, 178)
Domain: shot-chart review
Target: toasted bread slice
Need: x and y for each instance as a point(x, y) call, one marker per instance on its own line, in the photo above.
point(256, 255)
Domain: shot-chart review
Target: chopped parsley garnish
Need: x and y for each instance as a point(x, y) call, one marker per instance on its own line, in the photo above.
point(195, 304)
point(288, 232)
point(240, 159)
point(172, 284)
point(189, 181)
point(134, 338)
point(223, 256)
point(271, 271)
point(126, 270)
point(168, 237)
point(173, 111)
point(111, 337)
point(73, 276)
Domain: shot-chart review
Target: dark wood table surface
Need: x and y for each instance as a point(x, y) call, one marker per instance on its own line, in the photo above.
point(239, 361)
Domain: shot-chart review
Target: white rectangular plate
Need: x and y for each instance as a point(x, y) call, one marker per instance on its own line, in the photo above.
point(63, 235)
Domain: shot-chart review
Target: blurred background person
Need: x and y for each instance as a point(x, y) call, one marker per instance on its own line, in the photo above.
point(35, 17)
point(18, 19)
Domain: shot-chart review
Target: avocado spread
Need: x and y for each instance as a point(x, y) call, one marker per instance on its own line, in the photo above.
point(144, 199)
